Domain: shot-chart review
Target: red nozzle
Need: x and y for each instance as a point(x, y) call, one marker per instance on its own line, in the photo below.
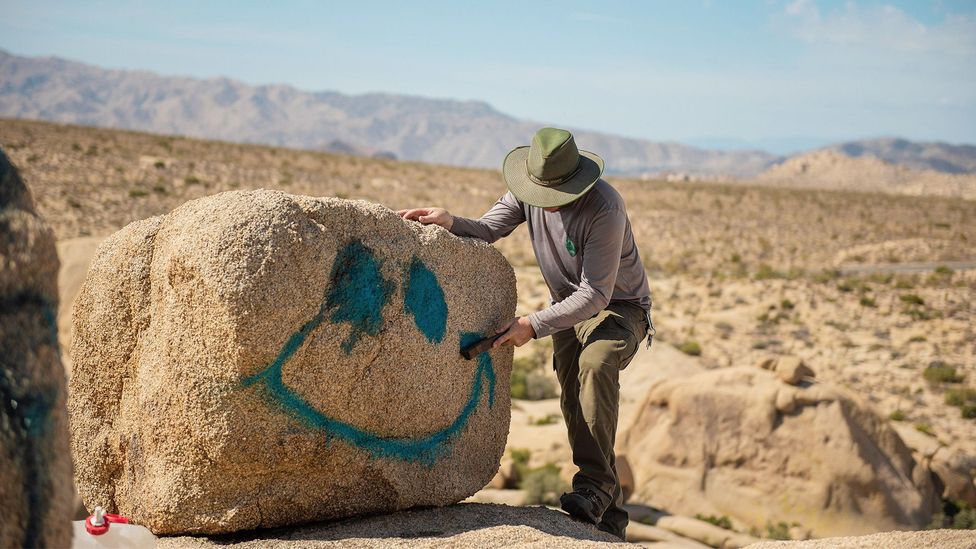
point(97, 523)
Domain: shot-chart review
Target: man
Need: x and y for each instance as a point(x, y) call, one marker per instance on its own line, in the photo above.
point(601, 303)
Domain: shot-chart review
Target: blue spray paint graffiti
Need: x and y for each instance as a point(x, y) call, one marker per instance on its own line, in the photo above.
point(424, 449)
point(29, 415)
point(423, 298)
point(358, 293)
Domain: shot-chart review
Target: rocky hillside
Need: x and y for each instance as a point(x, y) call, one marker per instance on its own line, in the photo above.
point(941, 157)
point(461, 133)
point(830, 169)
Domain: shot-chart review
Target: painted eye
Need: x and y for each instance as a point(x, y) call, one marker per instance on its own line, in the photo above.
point(423, 298)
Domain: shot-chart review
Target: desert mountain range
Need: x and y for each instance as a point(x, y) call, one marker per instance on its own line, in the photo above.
point(440, 131)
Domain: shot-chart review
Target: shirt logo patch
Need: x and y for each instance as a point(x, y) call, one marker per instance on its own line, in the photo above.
point(570, 247)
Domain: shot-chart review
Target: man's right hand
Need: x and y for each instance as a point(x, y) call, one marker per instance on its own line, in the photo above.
point(427, 216)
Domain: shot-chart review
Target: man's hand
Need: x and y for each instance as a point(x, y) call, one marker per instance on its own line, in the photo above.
point(427, 216)
point(517, 331)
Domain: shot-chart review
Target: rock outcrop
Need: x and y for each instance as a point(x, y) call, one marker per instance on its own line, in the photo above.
point(742, 443)
point(456, 526)
point(257, 359)
point(36, 493)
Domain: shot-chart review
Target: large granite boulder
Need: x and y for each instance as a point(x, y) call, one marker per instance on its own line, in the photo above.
point(36, 493)
point(742, 443)
point(256, 359)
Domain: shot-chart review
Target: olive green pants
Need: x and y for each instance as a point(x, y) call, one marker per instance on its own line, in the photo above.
point(588, 360)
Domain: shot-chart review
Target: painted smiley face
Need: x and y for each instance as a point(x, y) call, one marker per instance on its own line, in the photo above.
point(357, 294)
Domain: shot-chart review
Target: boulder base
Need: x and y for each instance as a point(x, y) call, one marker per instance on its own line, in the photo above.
point(257, 359)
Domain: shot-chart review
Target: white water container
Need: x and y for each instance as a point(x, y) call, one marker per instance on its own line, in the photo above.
point(107, 531)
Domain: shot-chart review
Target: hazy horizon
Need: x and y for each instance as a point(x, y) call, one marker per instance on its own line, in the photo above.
point(764, 74)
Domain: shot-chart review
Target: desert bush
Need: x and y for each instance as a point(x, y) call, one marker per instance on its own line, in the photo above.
point(722, 521)
point(529, 381)
point(925, 428)
point(955, 514)
point(548, 420)
point(766, 272)
point(911, 299)
point(191, 180)
point(968, 411)
point(940, 372)
point(779, 530)
point(690, 347)
point(137, 193)
point(960, 396)
point(897, 415)
point(868, 302)
point(543, 485)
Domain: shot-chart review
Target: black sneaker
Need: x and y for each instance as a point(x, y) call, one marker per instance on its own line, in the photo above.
point(583, 504)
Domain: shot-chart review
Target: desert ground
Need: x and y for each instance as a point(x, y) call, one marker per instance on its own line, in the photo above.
point(873, 291)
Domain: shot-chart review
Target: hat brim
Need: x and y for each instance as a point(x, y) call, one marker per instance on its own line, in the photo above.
point(516, 174)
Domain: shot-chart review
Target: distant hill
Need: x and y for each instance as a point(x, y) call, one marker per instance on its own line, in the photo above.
point(463, 133)
point(941, 157)
point(830, 169)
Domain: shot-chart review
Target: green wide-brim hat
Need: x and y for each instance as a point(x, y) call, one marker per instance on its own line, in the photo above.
point(551, 171)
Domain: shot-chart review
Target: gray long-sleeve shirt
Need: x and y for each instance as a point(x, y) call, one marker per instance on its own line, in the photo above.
point(586, 252)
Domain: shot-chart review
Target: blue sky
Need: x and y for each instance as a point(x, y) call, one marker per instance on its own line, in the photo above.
point(776, 74)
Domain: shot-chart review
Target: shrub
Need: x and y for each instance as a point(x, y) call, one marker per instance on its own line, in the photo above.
point(766, 272)
point(543, 485)
point(191, 180)
point(897, 415)
point(159, 164)
point(925, 428)
point(529, 382)
point(690, 347)
point(786, 304)
point(911, 299)
point(955, 514)
point(968, 411)
point(943, 270)
point(722, 521)
point(780, 530)
point(548, 420)
point(940, 372)
point(868, 302)
point(960, 396)
point(137, 193)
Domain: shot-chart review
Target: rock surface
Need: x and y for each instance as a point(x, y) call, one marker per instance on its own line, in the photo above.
point(465, 525)
point(256, 359)
point(36, 493)
point(723, 441)
point(928, 539)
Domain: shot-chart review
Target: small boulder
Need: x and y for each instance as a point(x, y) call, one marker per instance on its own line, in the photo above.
point(790, 369)
point(36, 492)
point(256, 359)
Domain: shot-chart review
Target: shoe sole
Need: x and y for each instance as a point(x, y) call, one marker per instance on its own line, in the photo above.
point(577, 511)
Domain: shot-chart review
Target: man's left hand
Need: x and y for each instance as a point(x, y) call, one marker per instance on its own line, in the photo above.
point(517, 331)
